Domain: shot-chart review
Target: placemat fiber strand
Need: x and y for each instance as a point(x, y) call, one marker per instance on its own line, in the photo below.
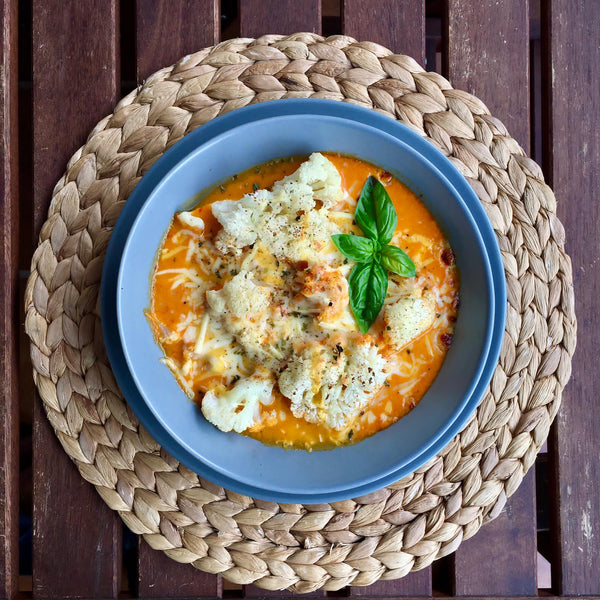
point(301, 547)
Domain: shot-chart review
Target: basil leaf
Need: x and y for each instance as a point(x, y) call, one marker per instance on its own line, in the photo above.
point(364, 214)
point(385, 213)
point(368, 284)
point(355, 247)
point(375, 213)
point(396, 260)
point(376, 293)
point(368, 280)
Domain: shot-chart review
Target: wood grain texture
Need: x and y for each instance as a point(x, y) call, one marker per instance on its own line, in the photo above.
point(161, 577)
point(416, 584)
point(399, 26)
point(76, 537)
point(488, 56)
point(396, 24)
point(9, 414)
point(75, 84)
point(258, 17)
point(165, 32)
point(168, 30)
point(541, 597)
point(76, 545)
point(575, 569)
point(572, 155)
point(501, 558)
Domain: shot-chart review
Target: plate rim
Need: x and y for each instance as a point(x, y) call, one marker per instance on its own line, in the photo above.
point(182, 151)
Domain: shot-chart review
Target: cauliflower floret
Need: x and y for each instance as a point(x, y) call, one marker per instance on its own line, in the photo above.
point(319, 173)
point(286, 219)
point(319, 230)
point(364, 375)
point(292, 197)
point(301, 382)
point(399, 287)
point(296, 384)
point(296, 237)
point(240, 296)
point(292, 239)
point(238, 409)
point(332, 385)
point(243, 309)
point(365, 371)
point(238, 229)
point(191, 221)
point(408, 318)
point(257, 201)
point(277, 233)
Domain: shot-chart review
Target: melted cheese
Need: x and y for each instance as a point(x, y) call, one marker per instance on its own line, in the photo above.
point(298, 274)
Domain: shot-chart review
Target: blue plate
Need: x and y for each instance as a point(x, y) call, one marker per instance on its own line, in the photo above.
point(240, 463)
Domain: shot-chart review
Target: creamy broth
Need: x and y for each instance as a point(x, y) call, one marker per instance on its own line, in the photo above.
point(415, 366)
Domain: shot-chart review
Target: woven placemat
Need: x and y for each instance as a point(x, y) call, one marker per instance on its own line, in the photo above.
point(383, 535)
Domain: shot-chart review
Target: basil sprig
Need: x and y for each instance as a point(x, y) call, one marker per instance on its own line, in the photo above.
point(368, 280)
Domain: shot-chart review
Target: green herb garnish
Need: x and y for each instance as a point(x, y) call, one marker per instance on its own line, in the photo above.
point(368, 280)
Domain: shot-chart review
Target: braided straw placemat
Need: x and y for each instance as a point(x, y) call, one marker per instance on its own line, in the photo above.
point(383, 535)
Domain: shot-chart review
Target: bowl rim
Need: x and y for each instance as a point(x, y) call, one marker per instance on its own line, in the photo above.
point(131, 347)
point(178, 154)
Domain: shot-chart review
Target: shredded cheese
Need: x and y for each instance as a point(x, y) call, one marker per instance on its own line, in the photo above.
point(201, 334)
point(267, 291)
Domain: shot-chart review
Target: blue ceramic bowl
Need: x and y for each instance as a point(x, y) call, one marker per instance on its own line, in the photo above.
point(227, 146)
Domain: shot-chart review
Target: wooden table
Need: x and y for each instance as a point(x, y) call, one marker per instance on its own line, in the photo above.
point(536, 63)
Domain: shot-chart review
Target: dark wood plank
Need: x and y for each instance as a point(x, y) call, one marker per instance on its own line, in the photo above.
point(161, 577)
point(540, 597)
point(75, 83)
point(76, 537)
point(167, 31)
point(433, 43)
point(9, 413)
point(571, 150)
point(488, 55)
point(397, 25)
point(414, 584)
point(535, 69)
point(258, 17)
point(535, 62)
point(501, 558)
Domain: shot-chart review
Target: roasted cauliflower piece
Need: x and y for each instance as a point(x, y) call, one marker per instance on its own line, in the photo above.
point(332, 385)
point(319, 174)
point(286, 219)
point(408, 318)
point(238, 409)
point(240, 296)
point(238, 229)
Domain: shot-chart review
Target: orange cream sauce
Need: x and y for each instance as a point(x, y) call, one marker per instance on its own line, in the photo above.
point(279, 426)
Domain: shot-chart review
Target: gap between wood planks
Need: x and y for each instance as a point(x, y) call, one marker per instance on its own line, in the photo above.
point(330, 14)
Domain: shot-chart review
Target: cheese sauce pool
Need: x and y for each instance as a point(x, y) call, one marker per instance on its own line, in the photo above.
point(419, 361)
